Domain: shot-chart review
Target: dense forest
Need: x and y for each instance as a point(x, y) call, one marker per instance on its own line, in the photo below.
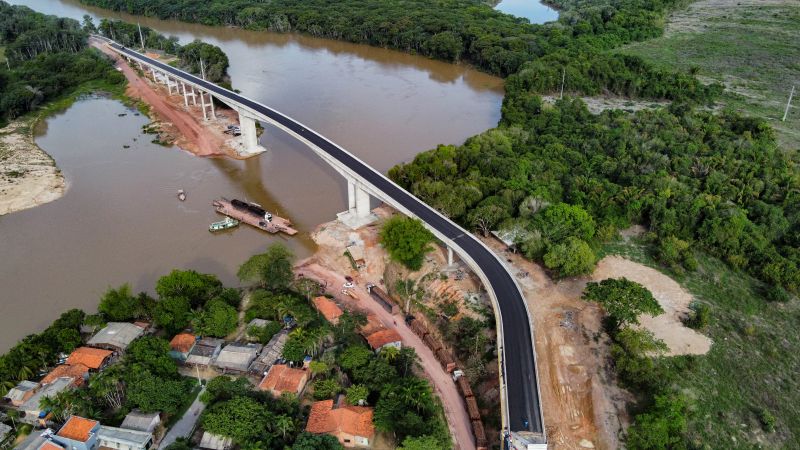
point(47, 57)
point(468, 31)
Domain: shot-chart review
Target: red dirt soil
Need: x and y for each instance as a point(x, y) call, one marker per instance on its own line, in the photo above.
point(185, 126)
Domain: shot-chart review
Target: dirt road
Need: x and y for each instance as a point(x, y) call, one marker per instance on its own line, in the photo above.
point(454, 408)
point(190, 134)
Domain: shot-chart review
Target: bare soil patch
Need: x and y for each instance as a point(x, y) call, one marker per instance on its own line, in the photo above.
point(28, 175)
point(598, 104)
point(673, 298)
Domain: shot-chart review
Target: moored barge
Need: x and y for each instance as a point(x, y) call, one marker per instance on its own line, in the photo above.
point(253, 215)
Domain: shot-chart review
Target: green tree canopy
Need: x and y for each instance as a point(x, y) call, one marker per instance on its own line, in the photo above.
point(152, 353)
point(623, 300)
point(357, 394)
point(422, 443)
point(560, 221)
point(271, 270)
point(219, 319)
point(119, 304)
point(153, 394)
point(663, 427)
point(172, 314)
point(406, 240)
point(309, 441)
point(241, 418)
point(570, 258)
point(198, 288)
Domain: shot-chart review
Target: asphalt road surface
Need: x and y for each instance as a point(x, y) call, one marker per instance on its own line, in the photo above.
point(520, 367)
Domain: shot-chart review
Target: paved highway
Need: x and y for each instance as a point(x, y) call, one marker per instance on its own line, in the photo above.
point(524, 408)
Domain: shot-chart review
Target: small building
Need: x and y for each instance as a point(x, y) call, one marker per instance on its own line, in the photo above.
point(124, 439)
point(79, 373)
point(140, 421)
point(215, 442)
point(5, 431)
point(31, 409)
point(78, 434)
point(20, 393)
point(385, 300)
point(204, 352)
point(116, 336)
point(351, 425)
point(255, 323)
point(270, 354)
point(93, 358)
point(384, 338)
point(283, 379)
point(329, 310)
point(237, 357)
point(181, 345)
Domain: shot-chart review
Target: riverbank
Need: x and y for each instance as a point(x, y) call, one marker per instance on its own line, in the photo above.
point(28, 175)
point(173, 121)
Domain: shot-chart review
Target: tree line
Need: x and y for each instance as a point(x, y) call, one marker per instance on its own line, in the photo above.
point(469, 31)
point(214, 60)
point(47, 57)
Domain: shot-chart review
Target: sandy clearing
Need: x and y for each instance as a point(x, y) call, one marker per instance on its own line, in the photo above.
point(28, 175)
point(673, 298)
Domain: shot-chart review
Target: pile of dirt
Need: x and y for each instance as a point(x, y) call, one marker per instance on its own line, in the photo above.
point(28, 175)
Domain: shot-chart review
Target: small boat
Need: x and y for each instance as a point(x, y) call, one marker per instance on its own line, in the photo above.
point(181, 195)
point(223, 224)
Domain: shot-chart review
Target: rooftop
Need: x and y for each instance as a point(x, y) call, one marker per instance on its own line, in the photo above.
point(92, 358)
point(50, 445)
point(60, 384)
point(380, 338)
point(237, 356)
point(182, 342)
point(77, 372)
point(77, 428)
point(130, 438)
point(283, 378)
point(17, 393)
point(355, 420)
point(116, 334)
point(215, 441)
point(4, 430)
point(137, 420)
point(328, 309)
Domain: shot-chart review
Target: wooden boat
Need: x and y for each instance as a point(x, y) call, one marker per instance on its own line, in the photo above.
point(253, 215)
point(223, 225)
point(181, 195)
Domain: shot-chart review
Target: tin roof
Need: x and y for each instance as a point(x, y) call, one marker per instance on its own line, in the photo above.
point(116, 334)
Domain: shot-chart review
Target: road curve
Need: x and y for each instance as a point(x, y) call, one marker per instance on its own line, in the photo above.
point(524, 409)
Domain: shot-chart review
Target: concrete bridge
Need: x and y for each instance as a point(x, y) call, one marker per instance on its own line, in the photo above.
point(521, 411)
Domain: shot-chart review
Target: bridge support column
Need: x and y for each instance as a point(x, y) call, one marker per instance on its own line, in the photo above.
point(449, 256)
point(248, 143)
point(170, 85)
point(358, 211)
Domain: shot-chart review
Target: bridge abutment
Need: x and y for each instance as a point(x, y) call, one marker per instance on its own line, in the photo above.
point(358, 211)
point(249, 137)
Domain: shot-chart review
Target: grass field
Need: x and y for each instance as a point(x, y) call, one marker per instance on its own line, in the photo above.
point(751, 46)
point(750, 372)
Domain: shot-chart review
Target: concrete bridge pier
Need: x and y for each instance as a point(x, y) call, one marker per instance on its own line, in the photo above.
point(358, 211)
point(249, 138)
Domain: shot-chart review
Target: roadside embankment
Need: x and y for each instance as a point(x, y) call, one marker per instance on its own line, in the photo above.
point(28, 175)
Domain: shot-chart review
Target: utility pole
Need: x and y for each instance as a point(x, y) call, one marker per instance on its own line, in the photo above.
point(202, 69)
point(563, 78)
point(141, 38)
point(788, 104)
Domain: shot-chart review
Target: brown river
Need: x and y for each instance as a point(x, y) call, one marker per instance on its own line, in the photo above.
point(120, 222)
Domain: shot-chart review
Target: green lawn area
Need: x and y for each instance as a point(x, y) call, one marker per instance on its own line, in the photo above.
point(752, 46)
point(752, 366)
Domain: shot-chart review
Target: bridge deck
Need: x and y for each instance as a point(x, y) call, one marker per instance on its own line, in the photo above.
point(521, 382)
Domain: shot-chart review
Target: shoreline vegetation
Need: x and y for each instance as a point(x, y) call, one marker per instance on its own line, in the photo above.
point(29, 176)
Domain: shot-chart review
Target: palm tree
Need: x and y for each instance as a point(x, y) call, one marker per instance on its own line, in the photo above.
point(24, 373)
point(415, 392)
point(389, 353)
point(284, 423)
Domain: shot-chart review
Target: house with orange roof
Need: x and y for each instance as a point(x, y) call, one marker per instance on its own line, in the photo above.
point(282, 379)
point(93, 358)
point(79, 373)
point(78, 434)
point(384, 338)
point(351, 425)
point(329, 310)
point(181, 345)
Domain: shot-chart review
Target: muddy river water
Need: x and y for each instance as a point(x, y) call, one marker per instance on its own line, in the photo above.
point(120, 221)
